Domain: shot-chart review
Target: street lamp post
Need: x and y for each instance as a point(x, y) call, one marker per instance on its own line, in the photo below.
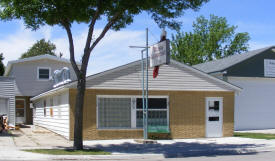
point(144, 92)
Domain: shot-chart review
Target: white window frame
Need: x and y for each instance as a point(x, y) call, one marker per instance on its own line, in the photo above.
point(133, 109)
point(22, 99)
point(42, 79)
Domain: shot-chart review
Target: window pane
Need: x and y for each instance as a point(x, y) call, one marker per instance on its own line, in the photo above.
point(153, 103)
point(213, 118)
point(20, 112)
point(114, 112)
point(139, 120)
point(214, 105)
point(155, 118)
point(44, 73)
point(20, 104)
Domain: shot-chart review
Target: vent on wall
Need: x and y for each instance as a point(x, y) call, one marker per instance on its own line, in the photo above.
point(61, 76)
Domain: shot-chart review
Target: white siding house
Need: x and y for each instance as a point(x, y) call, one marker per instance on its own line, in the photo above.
point(52, 112)
point(7, 98)
point(255, 105)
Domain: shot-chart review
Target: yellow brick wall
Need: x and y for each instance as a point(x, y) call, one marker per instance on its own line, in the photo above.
point(186, 113)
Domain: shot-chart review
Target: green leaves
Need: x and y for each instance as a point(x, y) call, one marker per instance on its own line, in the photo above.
point(54, 12)
point(211, 39)
point(41, 47)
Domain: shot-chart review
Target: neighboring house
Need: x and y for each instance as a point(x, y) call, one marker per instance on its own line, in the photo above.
point(7, 98)
point(183, 101)
point(253, 71)
point(33, 76)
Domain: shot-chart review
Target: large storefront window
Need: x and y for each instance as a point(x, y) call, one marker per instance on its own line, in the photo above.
point(114, 112)
point(127, 112)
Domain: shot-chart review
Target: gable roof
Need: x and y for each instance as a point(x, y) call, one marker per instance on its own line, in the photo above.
point(112, 72)
point(34, 58)
point(223, 64)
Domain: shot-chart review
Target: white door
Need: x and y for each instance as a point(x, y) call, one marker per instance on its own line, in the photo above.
point(3, 106)
point(214, 116)
point(20, 111)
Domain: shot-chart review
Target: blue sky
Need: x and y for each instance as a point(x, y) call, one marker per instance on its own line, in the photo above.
point(253, 16)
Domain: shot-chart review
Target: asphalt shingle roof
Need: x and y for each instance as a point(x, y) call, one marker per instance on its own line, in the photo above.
point(222, 64)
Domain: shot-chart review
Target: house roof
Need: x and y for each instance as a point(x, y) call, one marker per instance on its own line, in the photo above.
point(223, 64)
point(46, 56)
point(94, 76)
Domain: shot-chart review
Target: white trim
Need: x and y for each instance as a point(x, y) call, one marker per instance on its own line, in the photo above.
point(133, 109)
point(42, 79)
point(46, 56)
point(157, 89)
point(24, 119)
point(133, 112)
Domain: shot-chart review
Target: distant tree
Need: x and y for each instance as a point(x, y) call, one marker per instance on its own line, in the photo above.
point(210, 39)
point(2, 67)
point(41, 47)
point(117, 14)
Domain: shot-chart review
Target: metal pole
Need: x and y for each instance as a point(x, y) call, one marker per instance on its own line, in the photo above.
point(143, 103)
point(146, 110)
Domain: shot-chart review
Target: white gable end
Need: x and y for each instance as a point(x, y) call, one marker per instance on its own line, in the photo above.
point(171, 77)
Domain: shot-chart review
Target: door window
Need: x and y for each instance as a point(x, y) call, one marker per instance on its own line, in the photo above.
point(20, 108)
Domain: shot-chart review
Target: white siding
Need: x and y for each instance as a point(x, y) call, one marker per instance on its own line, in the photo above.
point(7, 92)
point(25, 74)
point(59, 123)
point(255, 105)
point(171, 77)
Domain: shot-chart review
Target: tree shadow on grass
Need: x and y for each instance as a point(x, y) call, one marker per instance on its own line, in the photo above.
point(182, 149)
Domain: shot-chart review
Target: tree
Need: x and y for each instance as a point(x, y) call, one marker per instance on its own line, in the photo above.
point(211, 39)
point(2, 67)
point(116, 14)
point(41, 47)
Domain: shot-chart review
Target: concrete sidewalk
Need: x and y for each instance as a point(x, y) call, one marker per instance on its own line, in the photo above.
point(128, 149)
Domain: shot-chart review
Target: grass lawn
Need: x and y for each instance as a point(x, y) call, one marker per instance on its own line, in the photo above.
point(69, 151)
point(255, 135)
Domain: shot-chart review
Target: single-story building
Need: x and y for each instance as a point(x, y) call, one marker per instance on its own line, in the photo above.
point(254, 72)
point(7, 98)
point(188, 102)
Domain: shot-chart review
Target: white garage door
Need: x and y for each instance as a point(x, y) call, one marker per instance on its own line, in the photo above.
point(3, 106)
point(255, 105)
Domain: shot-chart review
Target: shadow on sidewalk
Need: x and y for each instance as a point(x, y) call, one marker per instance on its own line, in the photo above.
point(181, 149)
point(6, 133)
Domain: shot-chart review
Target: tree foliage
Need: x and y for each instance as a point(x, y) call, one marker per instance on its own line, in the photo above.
point(41, 47)
point(210, 39)
point(2, 67)
point(116, 14)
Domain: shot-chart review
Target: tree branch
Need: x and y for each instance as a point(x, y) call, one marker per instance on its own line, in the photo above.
point(71, 44)
point(86, 56)
point(91, 28)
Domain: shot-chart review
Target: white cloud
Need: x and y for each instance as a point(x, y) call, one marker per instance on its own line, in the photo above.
point(113, 50)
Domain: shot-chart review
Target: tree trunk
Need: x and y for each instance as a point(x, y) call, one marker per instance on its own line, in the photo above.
point(78, 113)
